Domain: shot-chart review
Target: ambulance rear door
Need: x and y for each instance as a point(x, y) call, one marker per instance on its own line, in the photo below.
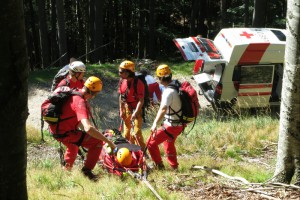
point(255, 85)
point(189, 48)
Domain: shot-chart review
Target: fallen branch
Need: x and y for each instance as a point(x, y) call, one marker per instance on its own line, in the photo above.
point(269, 197)
point(286, 185)
point(243, 180)
point(144, 180)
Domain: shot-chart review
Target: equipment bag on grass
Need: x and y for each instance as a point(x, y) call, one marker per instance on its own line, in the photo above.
point(189, 100)
point(109, 159)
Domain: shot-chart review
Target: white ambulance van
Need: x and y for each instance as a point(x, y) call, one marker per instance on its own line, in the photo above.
point(241, 67)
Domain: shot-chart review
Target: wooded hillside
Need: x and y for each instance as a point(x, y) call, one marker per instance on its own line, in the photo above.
point(106, 30)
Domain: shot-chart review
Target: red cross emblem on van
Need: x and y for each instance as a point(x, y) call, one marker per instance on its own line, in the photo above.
point(247, 35)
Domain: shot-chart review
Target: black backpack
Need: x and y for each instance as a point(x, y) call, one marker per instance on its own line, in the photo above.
point(140, 76)
point(61, 74)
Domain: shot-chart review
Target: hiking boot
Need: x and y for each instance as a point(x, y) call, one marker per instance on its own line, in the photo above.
point(146, 155)
point(89, 174)
point(175, 169)
point(160, 166)
point(68, 167)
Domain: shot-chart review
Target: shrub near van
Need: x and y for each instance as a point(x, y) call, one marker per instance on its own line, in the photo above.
point(241, 67)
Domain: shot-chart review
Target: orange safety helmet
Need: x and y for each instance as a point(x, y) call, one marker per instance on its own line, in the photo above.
point(94, 84)
point(124, 157)
point(163, 71)
point(127, 65)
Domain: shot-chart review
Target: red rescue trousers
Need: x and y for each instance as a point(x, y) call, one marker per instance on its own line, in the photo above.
point(168, 141)
point(93, 145)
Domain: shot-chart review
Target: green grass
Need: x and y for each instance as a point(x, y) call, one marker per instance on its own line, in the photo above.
point(106, 70)
point(224, 146)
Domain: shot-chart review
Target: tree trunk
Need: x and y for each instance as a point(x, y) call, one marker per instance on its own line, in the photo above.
point(194, 14)
point(288, 156)
point(202, 28)
point(61, 32)
point(54, 42)
point(81, 34)
point(91, 35)
point(98, 53)
point(43, 34)
point(14, 93)
point(35, 38)
point(246, 17)
point(125, 28)
point(141, 29)
point(224, 22)
point(259, 13)
point(151, 34)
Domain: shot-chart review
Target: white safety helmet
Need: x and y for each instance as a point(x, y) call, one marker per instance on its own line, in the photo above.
point(77, 66)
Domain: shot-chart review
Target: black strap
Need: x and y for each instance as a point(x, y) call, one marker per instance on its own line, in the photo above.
point(78, 143)
point(169, 134)
point(66, 134)
point(42, 127)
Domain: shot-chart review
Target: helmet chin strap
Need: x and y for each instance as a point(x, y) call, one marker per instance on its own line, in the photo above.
point(78, 75)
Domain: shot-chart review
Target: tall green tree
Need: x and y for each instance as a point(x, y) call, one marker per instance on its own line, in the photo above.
point(14, 93)
point(288, 156)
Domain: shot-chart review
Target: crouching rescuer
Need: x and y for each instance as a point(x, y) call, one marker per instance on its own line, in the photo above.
point(75, 129)
point(170, 127)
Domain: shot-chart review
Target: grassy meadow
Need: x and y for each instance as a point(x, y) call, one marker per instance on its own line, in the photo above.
point(243, 146)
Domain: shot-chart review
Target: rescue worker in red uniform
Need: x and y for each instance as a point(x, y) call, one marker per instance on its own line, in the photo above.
point(75, 77)
point(77, 130)
point(131, 103)
point(170, 128)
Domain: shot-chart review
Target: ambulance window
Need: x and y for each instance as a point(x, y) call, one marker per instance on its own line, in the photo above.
point(236, 73)
point(193, 47)
point(280, 35)
point(209, 48)
point(257, 74)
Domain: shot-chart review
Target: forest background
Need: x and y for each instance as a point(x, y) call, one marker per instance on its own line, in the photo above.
point(102, 31)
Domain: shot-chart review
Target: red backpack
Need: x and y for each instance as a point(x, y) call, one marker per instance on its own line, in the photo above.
point(51, 108)
point(189, 100)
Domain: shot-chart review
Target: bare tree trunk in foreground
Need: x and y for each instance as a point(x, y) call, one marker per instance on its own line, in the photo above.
point(288, 156)
point(13, 101)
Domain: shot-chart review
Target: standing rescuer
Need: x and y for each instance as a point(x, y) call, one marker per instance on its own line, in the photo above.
point(131, 103)
point(170, 128)
point(77, 130)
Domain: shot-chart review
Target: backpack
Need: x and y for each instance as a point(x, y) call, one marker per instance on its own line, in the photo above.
point(189, 101)
point(51, 108)
point(61, 74)
point(142, 77)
